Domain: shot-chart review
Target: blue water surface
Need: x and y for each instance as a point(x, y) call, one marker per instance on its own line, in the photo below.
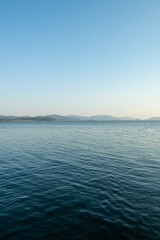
point(80, 180)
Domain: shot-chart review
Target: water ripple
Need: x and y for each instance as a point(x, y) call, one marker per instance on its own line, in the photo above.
point(80, 180)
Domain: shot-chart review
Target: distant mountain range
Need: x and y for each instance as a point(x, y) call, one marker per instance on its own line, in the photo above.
point(26, 118)
point(92, 118)
point(55, 117)
point(153, 119)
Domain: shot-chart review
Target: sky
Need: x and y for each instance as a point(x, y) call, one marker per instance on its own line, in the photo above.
point(84, 57)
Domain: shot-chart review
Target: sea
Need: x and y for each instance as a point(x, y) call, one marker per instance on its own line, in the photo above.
point(80, 180)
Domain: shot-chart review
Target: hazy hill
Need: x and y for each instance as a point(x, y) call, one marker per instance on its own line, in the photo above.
point(62, 118)
point(56, 117)
point(7, 117)
point(38, 118)
point(153, 119)
point(101, 118)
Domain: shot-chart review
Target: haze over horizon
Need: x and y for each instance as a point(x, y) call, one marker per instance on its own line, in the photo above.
point(80, 57)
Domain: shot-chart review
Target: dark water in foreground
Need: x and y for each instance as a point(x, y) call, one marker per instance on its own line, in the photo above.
point(80, 180)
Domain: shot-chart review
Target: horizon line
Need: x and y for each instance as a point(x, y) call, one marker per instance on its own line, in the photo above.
point(77, 115)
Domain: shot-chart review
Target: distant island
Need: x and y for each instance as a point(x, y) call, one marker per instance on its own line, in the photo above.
point(55, 117)
point(28, 118)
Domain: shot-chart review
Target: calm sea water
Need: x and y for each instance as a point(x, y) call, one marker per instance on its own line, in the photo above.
point(80, 180)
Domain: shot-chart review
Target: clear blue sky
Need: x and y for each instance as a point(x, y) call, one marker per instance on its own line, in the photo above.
point(81, 57)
